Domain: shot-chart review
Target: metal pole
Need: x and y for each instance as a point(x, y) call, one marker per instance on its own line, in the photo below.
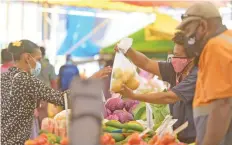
point(7, 20)
point(22, 20)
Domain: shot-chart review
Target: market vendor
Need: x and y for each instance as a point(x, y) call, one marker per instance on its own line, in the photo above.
point(181, 73)
point(20, 90)
point(212, 42)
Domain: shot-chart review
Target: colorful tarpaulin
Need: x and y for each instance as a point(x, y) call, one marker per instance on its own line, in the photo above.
point(123, 5)
point(77, 28)
point(155, 38)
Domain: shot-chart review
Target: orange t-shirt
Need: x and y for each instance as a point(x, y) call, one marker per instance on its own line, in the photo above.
point(215, 70)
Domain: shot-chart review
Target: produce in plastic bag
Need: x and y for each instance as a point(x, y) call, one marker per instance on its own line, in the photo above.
point(48, 124)
point(60, 128)
point(62, 115)
point(124, 72)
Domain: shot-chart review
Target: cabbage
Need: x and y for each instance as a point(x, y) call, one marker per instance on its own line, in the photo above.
point(123, 116)
point(107, 112)
point(114, 104)
point(129, 104)
point(112, 117)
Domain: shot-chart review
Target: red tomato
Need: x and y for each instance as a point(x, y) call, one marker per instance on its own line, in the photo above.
point(43, 135)
point(134, 139)
point(64, 141)
point(42, 140)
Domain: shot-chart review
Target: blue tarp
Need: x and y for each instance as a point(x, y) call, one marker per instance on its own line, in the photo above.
point(77, 28)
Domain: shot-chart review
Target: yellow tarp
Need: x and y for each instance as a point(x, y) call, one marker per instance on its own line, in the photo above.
point(101, 4)
point(162, 29)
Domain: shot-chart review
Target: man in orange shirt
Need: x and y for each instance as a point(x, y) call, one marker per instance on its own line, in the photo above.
point(211, 42)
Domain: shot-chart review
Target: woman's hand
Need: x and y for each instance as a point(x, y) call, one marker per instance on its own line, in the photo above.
point(102, 73)
point(127, 92)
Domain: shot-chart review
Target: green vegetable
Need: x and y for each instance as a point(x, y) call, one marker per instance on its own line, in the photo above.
point(117, 136)
point(114, 123)
point(109, 129)
point(43, 131)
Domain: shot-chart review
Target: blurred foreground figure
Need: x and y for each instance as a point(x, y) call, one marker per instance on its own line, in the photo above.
point(210, 41)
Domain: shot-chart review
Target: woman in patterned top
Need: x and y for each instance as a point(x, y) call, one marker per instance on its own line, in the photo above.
point(20, 90)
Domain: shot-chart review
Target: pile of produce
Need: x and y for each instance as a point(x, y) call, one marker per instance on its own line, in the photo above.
point(57, 125)
point(159, 112)
point(47, 138)
point(135, 139)
point(126, 77)
point(122, 132)
point(119, 109)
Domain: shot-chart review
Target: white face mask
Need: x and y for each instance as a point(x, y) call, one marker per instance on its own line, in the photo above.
point(35, 71)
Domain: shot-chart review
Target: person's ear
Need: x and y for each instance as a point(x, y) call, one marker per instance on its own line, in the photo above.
point(26, 57)
point(203, 27)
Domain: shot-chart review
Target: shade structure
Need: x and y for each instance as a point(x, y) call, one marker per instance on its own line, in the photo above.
point(122, 5)
point(154, 38)
point(173, 3)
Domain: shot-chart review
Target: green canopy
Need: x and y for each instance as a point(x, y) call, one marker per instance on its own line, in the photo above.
point(142, 45)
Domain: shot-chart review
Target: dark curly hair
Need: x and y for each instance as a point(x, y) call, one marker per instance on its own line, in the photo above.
point(179, 38)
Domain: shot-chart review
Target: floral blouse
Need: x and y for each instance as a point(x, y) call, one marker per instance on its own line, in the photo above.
point(19, 94)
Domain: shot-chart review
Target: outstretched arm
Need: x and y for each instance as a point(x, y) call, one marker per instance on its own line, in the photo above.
point(154, 98)
point(143, 62)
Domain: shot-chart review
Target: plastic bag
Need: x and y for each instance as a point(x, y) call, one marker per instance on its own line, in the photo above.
point(124, 72)
point(48, 124)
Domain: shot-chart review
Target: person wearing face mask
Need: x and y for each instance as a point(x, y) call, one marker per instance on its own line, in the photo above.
point(21, 90)
point(181, 73)
point(211, 41)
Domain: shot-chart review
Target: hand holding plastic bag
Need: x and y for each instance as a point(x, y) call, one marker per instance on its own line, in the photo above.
point(124, 72)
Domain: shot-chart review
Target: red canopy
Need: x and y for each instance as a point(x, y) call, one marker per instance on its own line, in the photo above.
point(174, 3)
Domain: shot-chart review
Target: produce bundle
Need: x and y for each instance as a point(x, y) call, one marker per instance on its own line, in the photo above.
point(47, 138)
point(119, 109)
point(159, 112)
point(124, 72)
point(57, 125)
point(126, 77)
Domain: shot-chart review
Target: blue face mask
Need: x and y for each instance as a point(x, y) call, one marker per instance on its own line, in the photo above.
point(35, 71)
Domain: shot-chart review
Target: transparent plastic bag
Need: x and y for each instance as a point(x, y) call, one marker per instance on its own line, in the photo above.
point(124, 72)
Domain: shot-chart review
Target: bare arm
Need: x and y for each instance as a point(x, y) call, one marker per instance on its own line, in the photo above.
point(155, 98)
point(143, 62)
point(218, 123)
point(158, 98)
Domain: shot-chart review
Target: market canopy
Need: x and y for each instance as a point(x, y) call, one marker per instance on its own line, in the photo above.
point(154, 38)
point(122, 5)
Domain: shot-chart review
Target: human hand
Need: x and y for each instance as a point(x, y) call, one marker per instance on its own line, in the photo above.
point(36, 113)
point(127, 92)
point(124, 45)
point(102, 73)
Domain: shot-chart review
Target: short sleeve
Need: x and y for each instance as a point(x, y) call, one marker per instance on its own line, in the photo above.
point(186, 88)
point(167, 72)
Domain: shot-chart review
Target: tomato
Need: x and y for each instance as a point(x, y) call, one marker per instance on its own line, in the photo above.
point(107, 139)
point(64, 141)
point(43, 135)
point(134, 139)
point(153, 140)
point(30, 142)
point(42, 140)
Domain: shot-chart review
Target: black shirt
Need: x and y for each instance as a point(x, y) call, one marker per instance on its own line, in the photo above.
point(181, 110)
point(18, 101)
